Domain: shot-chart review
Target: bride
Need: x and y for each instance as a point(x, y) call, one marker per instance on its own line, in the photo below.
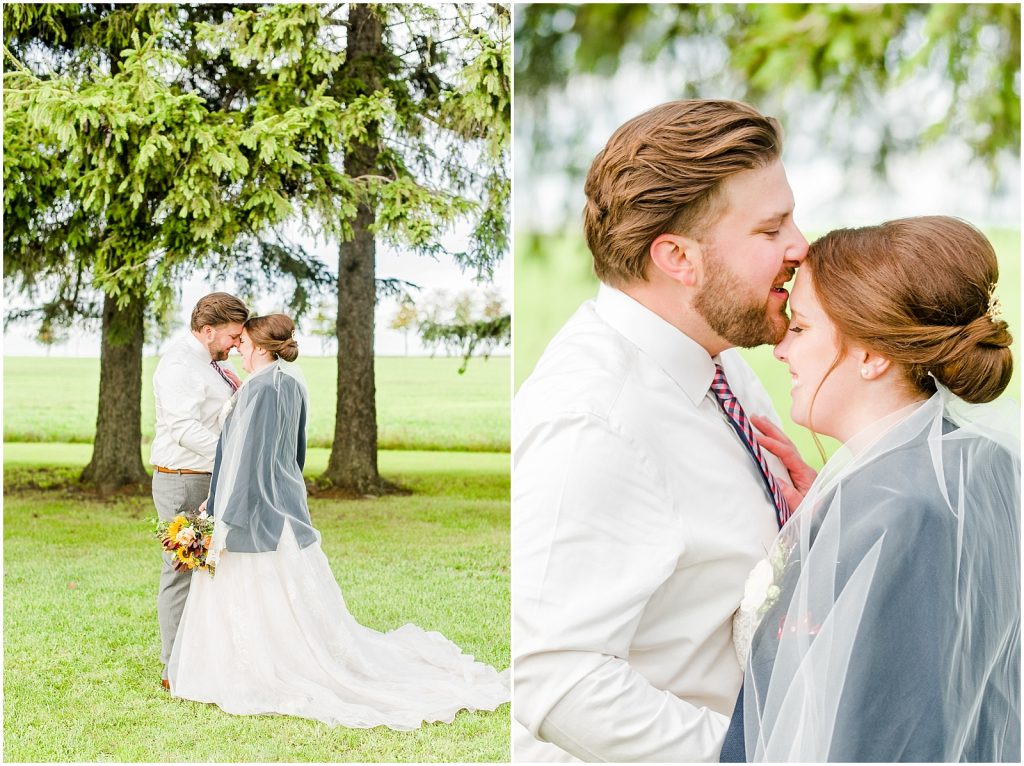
point(270, 633)
point(890, 607)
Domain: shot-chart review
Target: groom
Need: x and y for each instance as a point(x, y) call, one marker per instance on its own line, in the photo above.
point(191, 387)
point(640, 504)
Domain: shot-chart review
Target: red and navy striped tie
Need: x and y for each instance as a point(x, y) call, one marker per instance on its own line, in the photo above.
point(217, 367)
point(742, 426)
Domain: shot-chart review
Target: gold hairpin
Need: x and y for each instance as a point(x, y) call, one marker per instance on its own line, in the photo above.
point(995, 306)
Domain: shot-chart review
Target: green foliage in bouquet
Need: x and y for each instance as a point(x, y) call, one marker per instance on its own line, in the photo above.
point(187, 538)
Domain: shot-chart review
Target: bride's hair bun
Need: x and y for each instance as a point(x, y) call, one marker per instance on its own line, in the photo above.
point(919, 291)
point(289, 350)
point(976, 365)
point(274, 332)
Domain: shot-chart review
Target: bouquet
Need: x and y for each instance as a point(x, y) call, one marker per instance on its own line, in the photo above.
point(187, 538)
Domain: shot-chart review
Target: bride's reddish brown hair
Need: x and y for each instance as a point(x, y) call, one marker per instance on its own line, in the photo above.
point(274, 332)
point(918, 291)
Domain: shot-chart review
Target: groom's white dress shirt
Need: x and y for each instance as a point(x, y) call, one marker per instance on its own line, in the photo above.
point(190, 396)
point(637, 516)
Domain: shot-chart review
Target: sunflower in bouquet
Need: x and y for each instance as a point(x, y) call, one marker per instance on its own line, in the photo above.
point(187, 538)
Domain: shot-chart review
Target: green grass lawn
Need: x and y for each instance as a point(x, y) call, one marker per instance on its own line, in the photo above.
point(555, 278)
point(422, 403)
point(81, 642)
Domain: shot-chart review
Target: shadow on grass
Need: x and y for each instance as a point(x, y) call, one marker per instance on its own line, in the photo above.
point(22, 479)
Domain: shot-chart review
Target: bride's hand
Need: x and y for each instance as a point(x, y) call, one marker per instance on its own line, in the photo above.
point(234, 378)
point(772, 439)
point(202, 506)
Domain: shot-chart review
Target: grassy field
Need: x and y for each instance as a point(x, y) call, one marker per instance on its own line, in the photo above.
point(81, 643)
point(422, 403)
point(550, 287)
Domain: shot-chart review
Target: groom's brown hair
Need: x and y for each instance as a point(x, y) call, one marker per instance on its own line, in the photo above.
point(660, 173)
point(218, 309)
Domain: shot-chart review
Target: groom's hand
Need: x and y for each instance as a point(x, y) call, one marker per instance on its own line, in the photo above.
point(772, 439)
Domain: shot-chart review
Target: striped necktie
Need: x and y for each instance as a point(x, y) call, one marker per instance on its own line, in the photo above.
point(214, 365)
point(742, 426)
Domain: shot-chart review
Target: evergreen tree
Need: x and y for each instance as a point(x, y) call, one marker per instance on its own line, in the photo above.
point(143, 142)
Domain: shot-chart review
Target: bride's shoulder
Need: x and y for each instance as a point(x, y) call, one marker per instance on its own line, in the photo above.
point(916, 490)
point(897, 488)
point(257, 388)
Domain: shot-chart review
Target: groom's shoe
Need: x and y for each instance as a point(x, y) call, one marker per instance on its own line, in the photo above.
point(165, 683)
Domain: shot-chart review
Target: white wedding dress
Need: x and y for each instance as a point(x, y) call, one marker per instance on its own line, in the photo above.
point(270, 632)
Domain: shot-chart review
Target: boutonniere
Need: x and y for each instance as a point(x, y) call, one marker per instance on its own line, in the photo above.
point(762, 588)
point(228, 406)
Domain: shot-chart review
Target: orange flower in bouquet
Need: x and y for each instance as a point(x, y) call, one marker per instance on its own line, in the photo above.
point(187, 537)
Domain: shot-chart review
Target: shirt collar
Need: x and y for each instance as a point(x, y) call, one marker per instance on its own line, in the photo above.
point(681, 357)
point(195, 347)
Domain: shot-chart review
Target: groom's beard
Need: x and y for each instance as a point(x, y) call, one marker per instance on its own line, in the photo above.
point(740, 321)
point(218, 354)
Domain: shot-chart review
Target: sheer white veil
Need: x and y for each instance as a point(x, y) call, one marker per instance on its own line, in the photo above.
point(897, 629)
point(258, 483)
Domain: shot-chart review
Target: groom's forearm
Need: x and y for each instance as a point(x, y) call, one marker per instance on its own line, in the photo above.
point(612, 713)
point(194, 436)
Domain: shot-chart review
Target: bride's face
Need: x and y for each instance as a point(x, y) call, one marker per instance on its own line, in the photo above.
point(810, 348)
point(247, 351)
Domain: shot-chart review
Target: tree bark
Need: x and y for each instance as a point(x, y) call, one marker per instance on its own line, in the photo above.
point(353, 462)
point(116, 454)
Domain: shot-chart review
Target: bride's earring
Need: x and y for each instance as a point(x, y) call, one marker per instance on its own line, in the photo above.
point(864, 372)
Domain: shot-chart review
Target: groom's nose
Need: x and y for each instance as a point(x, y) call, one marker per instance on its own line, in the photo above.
point(798, 249)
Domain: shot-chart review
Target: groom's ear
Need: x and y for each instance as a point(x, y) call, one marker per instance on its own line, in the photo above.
point(676, 257)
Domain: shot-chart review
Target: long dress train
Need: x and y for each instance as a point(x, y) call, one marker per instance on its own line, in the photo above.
point(270, 633)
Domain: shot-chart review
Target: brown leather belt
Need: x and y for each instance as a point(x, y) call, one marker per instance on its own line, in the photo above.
point(186, 471)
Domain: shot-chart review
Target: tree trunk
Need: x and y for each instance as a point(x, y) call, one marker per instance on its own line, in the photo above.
point(116, 459)
point(353, 462)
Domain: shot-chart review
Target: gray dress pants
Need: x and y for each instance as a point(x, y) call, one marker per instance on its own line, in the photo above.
point(174, 494)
